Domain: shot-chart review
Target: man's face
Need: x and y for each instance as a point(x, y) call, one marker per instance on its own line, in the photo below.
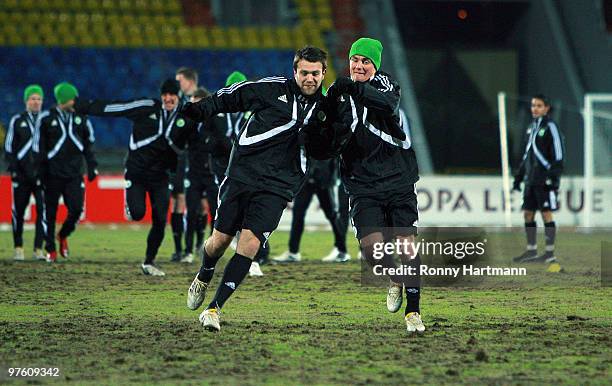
point(309, 76)
point(361, 68)
point(34, 103)
point(170, 101)
point(187, 85)
point(538, 108)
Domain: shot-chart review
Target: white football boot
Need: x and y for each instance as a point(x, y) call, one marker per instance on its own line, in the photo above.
point(39, 255)
point(210, 319)
point(335, 256)
point(287, 257)
point(394, 296)
point(196, 293)
point(414, 322)
point(19, 255)
point(151, 270)
point(188, 258)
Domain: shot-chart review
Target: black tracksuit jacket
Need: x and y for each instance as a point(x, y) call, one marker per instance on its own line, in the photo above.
point(18, 145)
point(365, 128)
point(151, 154)
point(268, 154)
point(543, 156)
point(62, 139)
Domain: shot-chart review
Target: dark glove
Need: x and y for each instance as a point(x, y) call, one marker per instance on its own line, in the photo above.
point(344, 85)
point(516, 185)
point(191, 111)
point(552, 183)
point(92, 174)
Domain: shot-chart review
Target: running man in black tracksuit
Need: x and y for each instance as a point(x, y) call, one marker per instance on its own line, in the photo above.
point(378, 168)
point(266, 170)
point(65, 136)
point(150, 158)
point(23, 169)
point(540, 170)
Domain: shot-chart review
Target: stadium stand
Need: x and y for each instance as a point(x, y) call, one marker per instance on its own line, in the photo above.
point(121, 49)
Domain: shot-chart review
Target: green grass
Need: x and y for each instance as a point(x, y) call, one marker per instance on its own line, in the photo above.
point(98, 319)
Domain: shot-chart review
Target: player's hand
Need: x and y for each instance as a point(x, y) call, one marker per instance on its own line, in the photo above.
point(516, 185)
point(344, 85)
point(92, 175)
point(191, 111)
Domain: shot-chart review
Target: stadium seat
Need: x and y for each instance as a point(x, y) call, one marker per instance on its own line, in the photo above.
point(218, 38)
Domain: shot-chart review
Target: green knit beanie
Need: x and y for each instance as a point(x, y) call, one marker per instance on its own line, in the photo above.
point(368, 47)
point(32, 89)
point(235, 77)
point(65, 92)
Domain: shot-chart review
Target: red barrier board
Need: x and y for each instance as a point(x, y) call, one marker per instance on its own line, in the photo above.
point(104, 201)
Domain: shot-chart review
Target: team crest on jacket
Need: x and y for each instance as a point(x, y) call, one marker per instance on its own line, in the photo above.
point(77, 120)
point(541, 132)
point(180, 122)
point(23, 124)
point(54, 123)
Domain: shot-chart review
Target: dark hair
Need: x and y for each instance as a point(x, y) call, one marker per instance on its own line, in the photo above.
point(310, 54)
point(188, 73)
point(201, 92)
point(170, 86)
point(543, 98)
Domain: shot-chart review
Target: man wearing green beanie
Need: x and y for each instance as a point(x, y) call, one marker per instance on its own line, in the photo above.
point(23, 169)
point(378, 168)
point(65, 93)
point(64, 139)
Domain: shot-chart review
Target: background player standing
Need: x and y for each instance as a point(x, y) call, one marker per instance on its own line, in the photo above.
point(201, 189)
point(23, 169)
point(65, 136)
point(540, 170)
point(188, 82)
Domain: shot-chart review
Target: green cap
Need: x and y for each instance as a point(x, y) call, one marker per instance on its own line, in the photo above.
point(368, 47)
point(235, 77)
point(65, 92)
point(32, 89)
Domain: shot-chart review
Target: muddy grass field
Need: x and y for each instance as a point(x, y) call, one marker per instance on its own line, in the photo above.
point(98, 320)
